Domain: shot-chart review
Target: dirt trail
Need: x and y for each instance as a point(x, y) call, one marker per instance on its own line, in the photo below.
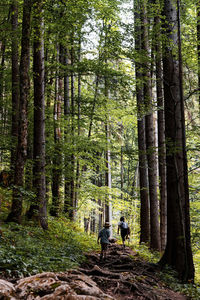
point(121, 276)
point(124, 276)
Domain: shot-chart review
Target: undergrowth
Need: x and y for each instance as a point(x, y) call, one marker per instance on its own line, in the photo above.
point(169, 276)
point(27, 250)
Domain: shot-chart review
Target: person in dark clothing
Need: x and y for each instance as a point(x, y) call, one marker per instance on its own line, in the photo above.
point(104, 235)
point(125, 231)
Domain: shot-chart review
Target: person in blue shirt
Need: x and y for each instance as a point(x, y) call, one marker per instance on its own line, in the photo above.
point(125, 231)
point(103, 236)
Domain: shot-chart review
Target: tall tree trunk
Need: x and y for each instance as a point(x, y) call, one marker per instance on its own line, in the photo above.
point(39, 183)
point(66, 135)
point(198, 47)
point(150, 137)
point(143, 171)
point(72, 211)
point(161, 135)
point(57, 157)
point(93, 105)
point(2, 66)
point(108, 182)
point(121, 161)
point(79, 126)
point(178, 252)
point(16, 209)
point(15, 83)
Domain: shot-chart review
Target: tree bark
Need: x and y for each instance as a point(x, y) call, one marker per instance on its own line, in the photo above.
point(161, 134)
point(198, 47)
point(15, 83)
point(16, 209)
point(178, 252)
point(108, 182)
point(72, 211)
point(150, 137)
point(66, 134)
point(143, 171)
point(39, 183)
point(79, 127)
point(57, 156)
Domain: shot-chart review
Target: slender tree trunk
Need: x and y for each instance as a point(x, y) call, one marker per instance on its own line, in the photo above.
point(39, 183)
point(2, 55)
point(198, 47)
point(143, 171)
point(178, 252)
point(72, 169)
point(16, 210)
point(93, 106)
point(161, 135)
point(66, 135)
point(79, 127)
point(15, 83)
point(2, 112)
point(57, 157)
point(121, 162)
point(150, 138)
point(99, 184)
point(108, 183)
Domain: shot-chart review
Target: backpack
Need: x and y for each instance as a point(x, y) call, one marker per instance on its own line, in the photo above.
point(123, 225)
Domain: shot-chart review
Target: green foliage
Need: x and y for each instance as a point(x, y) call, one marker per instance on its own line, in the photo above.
point(170, 279)
point(27, 250)
point(168, 275)
point(143, 251)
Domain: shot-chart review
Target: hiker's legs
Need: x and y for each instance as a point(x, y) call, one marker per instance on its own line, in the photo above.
point(123, 235)
point(123, 242)
point(103, 250)
point(101, 254)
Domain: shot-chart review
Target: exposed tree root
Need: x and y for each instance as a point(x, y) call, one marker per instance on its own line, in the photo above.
point(124, 276)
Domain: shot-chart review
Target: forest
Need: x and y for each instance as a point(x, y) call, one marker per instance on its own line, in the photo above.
point(99, 118)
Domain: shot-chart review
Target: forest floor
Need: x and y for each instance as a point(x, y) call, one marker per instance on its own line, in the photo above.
point(123, 275)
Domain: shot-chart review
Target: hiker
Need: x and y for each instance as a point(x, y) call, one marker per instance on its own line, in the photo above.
point(125, 230)
point(103, 236)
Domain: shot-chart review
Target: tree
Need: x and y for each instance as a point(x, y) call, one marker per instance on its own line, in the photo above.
point(198, 47)
point(150, 134)
point(161, 129)
point(144, 196)
point(15, 82)
point(39, 183)
point(16, 210)
point(178, 252)
point(57, 155)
